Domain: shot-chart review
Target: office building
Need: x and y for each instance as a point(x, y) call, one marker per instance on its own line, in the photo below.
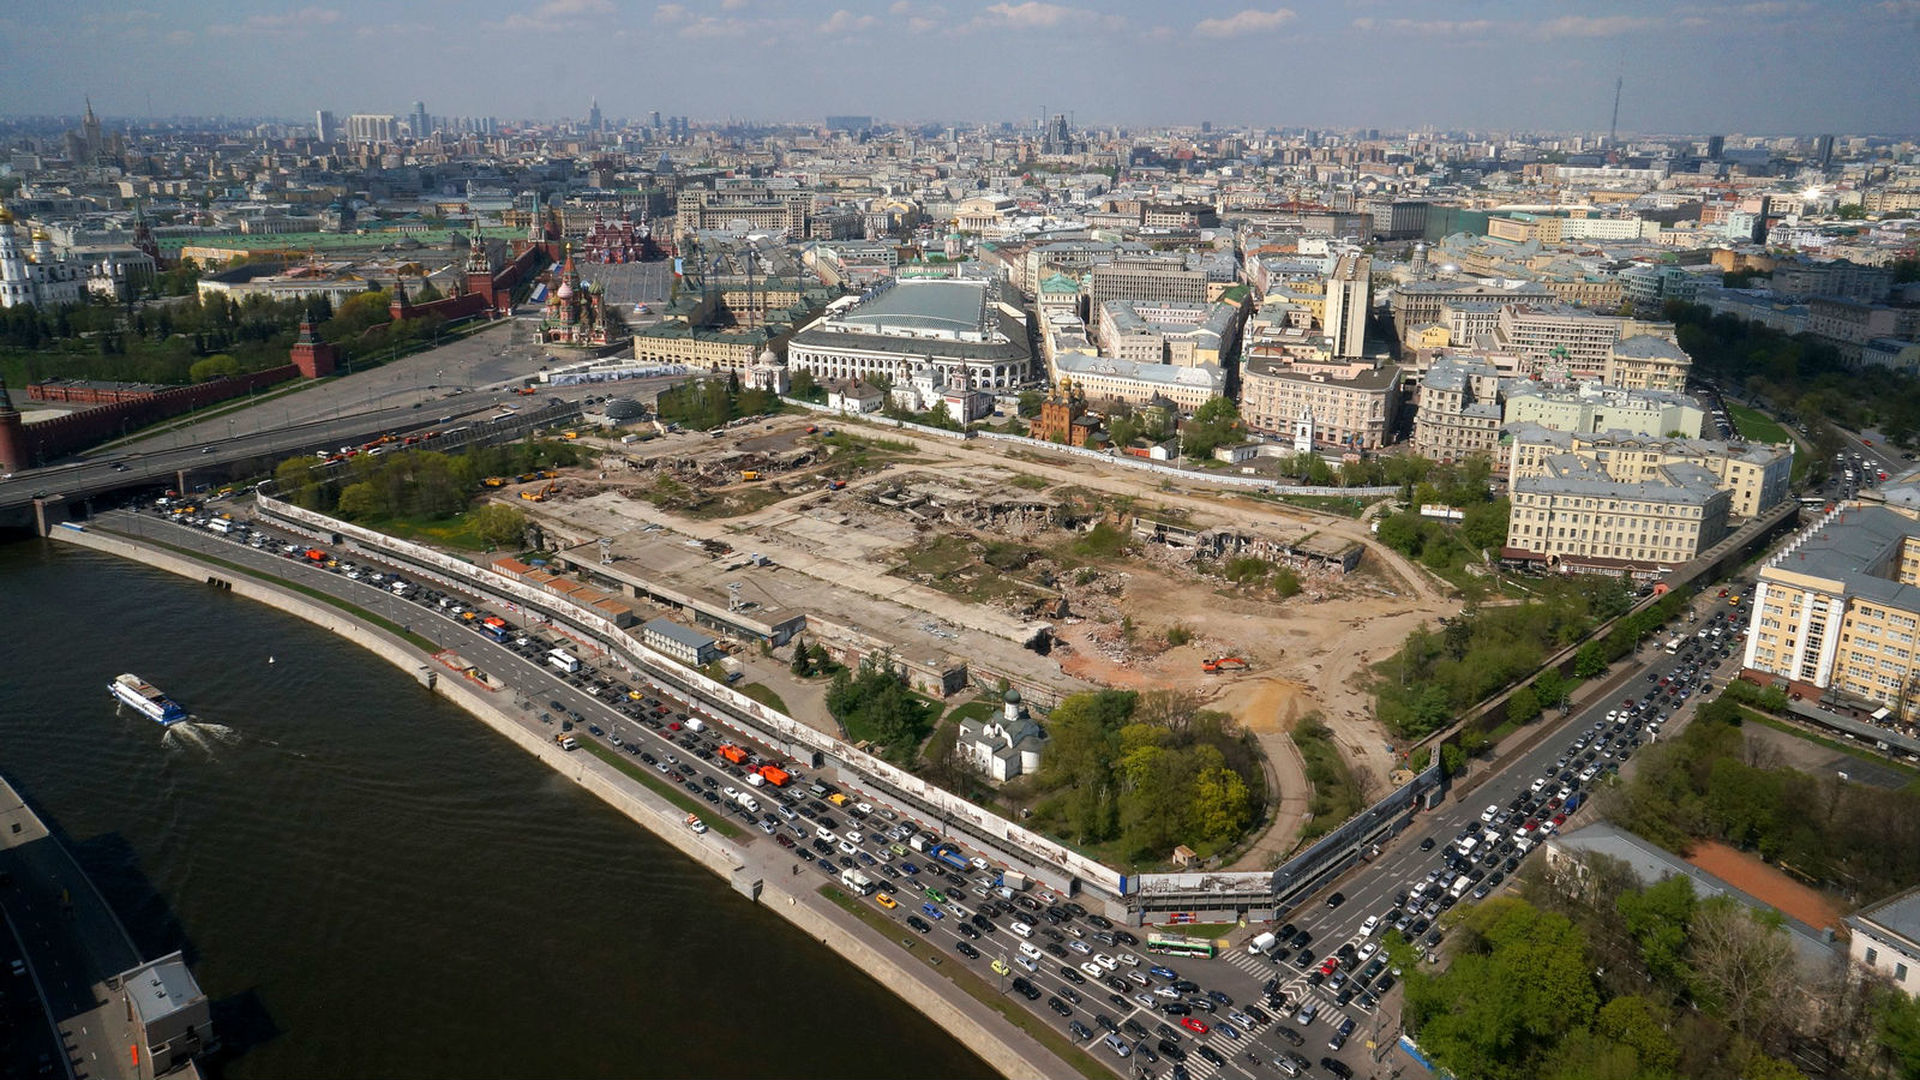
point(1647, 362)
point(419, 124)
point(1459, 410)
point(1574, 515)
point(1348, 404)
point(1415, 303)
point(683, 643)
point(1159, 280)
point(1757, 476)
point(370, 128)
point(1349, 296)
point(325, 127)
point(1591, 407)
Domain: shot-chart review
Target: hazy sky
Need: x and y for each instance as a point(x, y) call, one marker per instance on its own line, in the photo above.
point(1760, 66)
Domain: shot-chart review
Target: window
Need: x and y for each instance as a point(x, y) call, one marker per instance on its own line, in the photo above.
point(1899, 973)
point(1873, 955)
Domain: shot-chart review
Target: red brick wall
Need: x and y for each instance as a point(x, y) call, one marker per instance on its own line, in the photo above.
point(48, 440)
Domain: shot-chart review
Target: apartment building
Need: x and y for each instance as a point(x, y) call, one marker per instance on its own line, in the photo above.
point(1104, 378)
point(1459, 413)
point(1348, 403)
point(1559, 335)
point(1167, 332)
point(1837, 609)
point(1574, 514)
point(1758, 477)
point(1647, 362)
point(1415, 303)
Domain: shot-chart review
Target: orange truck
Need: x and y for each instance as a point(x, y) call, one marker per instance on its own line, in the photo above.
point(733, 753)
point(774, 775)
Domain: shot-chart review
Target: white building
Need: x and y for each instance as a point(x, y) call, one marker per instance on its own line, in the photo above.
point(40, 280)
point(1007, 745)
point(1886, 938)
point(959, 327)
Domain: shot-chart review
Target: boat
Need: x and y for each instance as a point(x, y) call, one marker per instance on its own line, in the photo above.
point(145, 697)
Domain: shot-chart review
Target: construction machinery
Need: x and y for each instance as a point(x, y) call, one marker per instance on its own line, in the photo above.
point(494, 482)
point(541, 495)
point(749, 474)
point(1216, 664)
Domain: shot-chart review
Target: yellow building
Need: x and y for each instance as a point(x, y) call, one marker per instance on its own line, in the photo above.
point(1757, 476)
point(1575, 514)
point(1837, 610)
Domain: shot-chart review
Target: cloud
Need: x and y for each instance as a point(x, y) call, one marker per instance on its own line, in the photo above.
point(1899, 7)
point(920, 18)
point(288, 22)
point(1250, 21)
point(1032, 15)
point(557, 15)
point(1592, 26)
point(671, 14)
point(1425, 27)
point(846, 22)
point(733, 5)
point(105, 18)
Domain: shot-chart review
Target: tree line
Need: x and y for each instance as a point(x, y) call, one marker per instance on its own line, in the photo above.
point(420, 484)
point(705, 404)
point(1147, 772)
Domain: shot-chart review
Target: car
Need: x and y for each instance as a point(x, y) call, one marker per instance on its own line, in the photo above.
point(1303, 959)
point(1211, 1054)
point(1093, 970)
point(1072, 975)
point(1287, 1034)
point(885, 900)
point(1336, 900)
point(1000, 967)
point(1059, 1006)
point(1492, 810)
point(1176, 1008)
point(1427, 844)
point(1166, 973)
point(1337, 1067)
point(1106, 961)
point(1341, 1033)
point(1172, 1050)
point(966, 931)
point(932, 912)
point(1367, 928)
point(1308, 1010)
point(919, 924)
point(1081, 1032)
point(1366, 952)
point(965, 948)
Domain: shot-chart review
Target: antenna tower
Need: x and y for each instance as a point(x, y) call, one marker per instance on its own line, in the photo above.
point(1613, 128)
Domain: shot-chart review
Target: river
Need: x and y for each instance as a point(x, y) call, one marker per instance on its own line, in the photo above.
point(370, 883)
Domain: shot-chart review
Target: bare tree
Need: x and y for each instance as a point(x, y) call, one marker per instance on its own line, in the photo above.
point(1761, 753)
point(1743, 964)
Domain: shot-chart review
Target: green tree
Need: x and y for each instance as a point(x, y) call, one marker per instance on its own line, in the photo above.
point(1453, 760)
point(213, 367)
point(1897, 1023)
point(1523, 705)
point(362, 501)
point(1658, 918)
point(802, 662)
point(1222, 806)
point(1636, 1022)
point(1589, 661)
point(500, 525)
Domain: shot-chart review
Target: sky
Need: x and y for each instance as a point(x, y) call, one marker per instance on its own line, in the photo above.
point(1689, 66)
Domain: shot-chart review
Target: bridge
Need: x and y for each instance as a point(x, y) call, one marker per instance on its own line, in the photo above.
point(38, 498)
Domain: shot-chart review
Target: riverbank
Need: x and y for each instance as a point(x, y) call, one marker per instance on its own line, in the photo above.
point(908, 976)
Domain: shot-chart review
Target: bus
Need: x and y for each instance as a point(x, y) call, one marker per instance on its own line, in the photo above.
point(564, 660)
point(1181, 945)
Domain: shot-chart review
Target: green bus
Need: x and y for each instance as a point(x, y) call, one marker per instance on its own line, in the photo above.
point(1181, 945)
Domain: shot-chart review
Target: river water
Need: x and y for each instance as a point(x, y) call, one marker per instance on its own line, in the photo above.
point(369, 883)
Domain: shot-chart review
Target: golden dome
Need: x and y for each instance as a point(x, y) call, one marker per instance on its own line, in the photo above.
point(6, 216)
point(40, 234)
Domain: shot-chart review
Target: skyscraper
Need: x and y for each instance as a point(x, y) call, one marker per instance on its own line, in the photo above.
point(419, 121)
point(593, 117)
point(1823, 151)
point(325, 127)
point(1348, 297)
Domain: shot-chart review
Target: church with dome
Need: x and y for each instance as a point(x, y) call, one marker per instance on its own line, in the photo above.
point(40, 278)
point(577, 313)
point(1007, 745)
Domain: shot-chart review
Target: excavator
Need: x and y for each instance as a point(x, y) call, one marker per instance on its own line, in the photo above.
point(541, 495)
point(1216, 664)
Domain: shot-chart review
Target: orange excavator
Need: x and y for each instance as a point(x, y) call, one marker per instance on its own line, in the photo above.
point(541, 495)
point(1217, 664)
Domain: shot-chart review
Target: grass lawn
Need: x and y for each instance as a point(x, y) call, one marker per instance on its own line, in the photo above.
point(977, 987)
point(1755, 426)
point(454, 532)
point(632, 767)
point(973, 710)
point(1344, 505)
point(1334, 797)
point(763, 694)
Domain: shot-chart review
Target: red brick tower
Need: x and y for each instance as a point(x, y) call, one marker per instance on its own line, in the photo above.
point(13, 434)
point(480, 269)
point(316, 359)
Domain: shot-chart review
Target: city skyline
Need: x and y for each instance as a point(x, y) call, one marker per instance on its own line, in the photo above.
point(1757, 67)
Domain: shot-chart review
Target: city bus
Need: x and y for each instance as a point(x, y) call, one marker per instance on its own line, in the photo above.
point(1181, 945)
point(564, 660)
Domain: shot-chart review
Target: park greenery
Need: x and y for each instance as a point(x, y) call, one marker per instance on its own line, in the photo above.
point(1443, 544)
point(1712, 782)
point(1138, 774)
point(1436, 676)
point(1215, 423)
point(705, 404)
point(422, 485)
point(876, 707)
point(1804, 380)
point(1587, 975)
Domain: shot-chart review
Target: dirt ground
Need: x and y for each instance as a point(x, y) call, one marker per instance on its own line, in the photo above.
point(1753, 876)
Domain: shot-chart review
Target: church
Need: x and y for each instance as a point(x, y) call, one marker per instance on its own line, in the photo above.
point(41, 280)
point(1007, 745)
point(576, 313)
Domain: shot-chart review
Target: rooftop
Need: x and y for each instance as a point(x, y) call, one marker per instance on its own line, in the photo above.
point(952, 307)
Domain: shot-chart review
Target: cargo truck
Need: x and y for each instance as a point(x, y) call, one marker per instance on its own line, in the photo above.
point(751, 804)
point(695, 724)
point(733, 753)
point(1010, 882)
point(774, 775)
point(566, 742)
point(950, 855)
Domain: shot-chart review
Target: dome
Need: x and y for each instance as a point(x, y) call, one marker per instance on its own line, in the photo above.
point(768, 357)
point(1012, 697)
point(625, 409)
point(6, 216)
point(565, 291)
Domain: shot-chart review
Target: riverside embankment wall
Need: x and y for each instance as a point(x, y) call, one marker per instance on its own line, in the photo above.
point(904, 974)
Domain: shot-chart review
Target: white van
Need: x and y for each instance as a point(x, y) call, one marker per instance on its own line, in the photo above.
point(1461, 886)
point(1020, 928)
point(1027, 949)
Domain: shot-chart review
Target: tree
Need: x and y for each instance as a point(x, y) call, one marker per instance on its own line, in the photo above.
point(1743, 965)
point(1523, 705)
point(802, 663)
point(500, 525)
point(1453, 760)
point(1658, 917)
point(1589, 661)
point(213, 367)
point(1221, 805)
point(1897, 1024)
point(362, 500)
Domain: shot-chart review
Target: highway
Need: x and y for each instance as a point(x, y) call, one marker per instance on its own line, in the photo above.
point(1369, 890)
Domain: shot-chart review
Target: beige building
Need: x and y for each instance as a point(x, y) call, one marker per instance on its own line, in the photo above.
point(1886, 940)
point(1415, 303)
point(1593, 407)
point(1347, 403)
point(1757, 476)
point(1459, 413)
point(1573, 513)
point(1647, 362)
point(1838, 608)
point(1167, 332)
point(1559, 335)
point(1349, 298)
point(1146, 279)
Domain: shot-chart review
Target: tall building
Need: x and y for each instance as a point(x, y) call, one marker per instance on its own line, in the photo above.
point(370, 128)
point(419, 122)
point(1823, 151)
point(594, 121)
point(1349, 291)
point(325, 127)
point(1574, 514)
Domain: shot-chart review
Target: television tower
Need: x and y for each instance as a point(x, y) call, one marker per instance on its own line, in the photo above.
point(1613, 128)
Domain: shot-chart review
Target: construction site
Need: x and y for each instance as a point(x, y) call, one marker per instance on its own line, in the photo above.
point(976, 567)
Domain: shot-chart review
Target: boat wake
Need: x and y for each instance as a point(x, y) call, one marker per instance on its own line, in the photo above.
point(195, 735)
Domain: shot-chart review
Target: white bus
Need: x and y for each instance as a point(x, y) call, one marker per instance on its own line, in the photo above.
point(1674, 646)
point(564, 660)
